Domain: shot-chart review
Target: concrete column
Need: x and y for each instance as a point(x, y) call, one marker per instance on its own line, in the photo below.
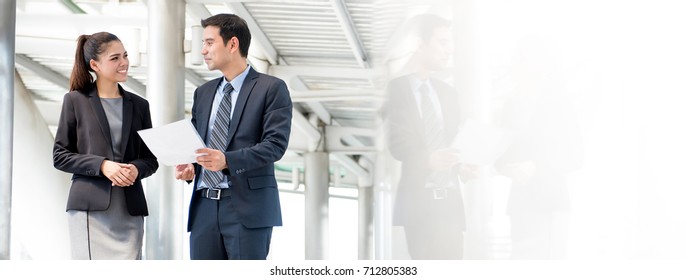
point(386, 175)
point(316, 205)
point(365, 214)
point(8, 11)
point(165, 226)
point(365, 222)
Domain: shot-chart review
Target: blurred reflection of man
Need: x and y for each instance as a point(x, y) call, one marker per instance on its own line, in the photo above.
point(545, 148)
point(422, 121)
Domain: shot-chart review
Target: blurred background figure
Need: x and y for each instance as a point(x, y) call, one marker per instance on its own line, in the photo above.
point(422, 121)
point(546, 146)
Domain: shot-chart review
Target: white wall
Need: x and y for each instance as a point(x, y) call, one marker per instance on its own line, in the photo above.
point(39, 191)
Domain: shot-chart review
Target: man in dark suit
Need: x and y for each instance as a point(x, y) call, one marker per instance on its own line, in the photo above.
point(245, 119)
point(422, 119)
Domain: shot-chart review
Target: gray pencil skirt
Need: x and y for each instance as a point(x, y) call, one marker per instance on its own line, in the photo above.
point(112, 234)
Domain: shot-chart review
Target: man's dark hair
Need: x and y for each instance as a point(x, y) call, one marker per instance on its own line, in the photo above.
point(426, 24)
point(231, 25)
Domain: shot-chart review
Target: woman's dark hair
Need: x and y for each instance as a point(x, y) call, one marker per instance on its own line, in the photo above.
point(88, 47)
point(231, 25)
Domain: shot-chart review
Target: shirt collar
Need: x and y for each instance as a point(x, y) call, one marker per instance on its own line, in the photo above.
point(415, 83)
point(237, 82)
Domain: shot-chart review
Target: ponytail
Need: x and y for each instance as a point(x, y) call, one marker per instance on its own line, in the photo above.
point(80, 78)
point(87, 47)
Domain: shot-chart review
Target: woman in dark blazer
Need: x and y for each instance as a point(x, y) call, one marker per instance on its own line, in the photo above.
point(96, 141)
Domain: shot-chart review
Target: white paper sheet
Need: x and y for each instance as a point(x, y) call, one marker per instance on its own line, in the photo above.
point(479, 143)
point(173, 143)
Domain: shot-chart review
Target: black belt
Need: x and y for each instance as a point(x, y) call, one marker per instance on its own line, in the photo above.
point(215, 194)
point(442, 193)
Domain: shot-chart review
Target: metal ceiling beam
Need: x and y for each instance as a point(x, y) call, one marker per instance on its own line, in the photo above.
point(323, 114)
point(73, 7)
point(350, 31)
point(69, 21)
point(300, 122)
point(351, 165)
point(198, 10)
point(345, 160)
point(335, 135)
point(319, 110)
point(335, 95)
point(194, 78)
point(349, 139)
point(42, 71)
point(44, 46)
point(258, 36)
point(318, 99)
point(287, 72)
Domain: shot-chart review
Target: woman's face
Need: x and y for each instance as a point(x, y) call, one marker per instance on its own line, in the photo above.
point(113, 63)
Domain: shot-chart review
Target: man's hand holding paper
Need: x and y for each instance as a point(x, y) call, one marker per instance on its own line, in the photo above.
point(480, 144)
point(173, 144)
point(443, 159)
point(211, 159)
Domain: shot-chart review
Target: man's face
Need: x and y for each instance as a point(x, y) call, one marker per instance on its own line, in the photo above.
point(216, 54)
point(438, 50)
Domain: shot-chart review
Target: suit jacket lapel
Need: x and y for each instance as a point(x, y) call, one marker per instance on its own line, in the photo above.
point(205, 101)
point(99, 113)
point(410, 105)
point(449, 109)
point(246, 89)
point(127, 117)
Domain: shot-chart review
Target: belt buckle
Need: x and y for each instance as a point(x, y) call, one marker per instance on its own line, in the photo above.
point(440, 193)
point(218, 191)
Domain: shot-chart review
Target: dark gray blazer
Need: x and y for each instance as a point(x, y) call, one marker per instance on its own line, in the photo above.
point(258, 137)
point(83, 142)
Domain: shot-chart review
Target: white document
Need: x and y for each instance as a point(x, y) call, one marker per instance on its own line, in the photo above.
point(173, 143)
point(480, 144)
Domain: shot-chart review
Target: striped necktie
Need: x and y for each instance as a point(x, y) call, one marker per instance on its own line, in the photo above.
point(435, 138)
point(433, 130)
point(220, 136)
